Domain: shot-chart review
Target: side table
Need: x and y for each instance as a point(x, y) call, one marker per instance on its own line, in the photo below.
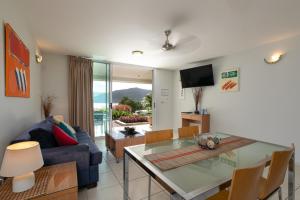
point(57, 182)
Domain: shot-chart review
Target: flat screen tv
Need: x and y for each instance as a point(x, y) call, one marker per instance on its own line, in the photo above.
point(197, 76)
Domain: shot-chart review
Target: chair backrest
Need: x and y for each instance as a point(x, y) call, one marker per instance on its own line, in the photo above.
point(188, 131)
point(245, 183)
point(158, 136)
point(277, 171)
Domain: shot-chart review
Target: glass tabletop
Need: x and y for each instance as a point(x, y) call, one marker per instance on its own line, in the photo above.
point(201, 176)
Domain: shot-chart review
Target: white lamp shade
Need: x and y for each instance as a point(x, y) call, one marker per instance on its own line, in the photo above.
point(21, 158)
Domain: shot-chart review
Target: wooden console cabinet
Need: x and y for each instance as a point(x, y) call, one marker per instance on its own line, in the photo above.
point(202, 120)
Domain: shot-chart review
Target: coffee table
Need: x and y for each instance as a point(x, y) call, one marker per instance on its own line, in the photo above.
point(116, 141)
point(57, 182)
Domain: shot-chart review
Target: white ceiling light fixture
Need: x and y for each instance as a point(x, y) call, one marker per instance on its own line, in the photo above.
point(137, 52)
point(273, 59)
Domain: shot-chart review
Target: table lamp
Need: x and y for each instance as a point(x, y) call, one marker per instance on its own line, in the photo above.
point(20, 161)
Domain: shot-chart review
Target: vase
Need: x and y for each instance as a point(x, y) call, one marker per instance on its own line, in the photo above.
point(196, 110)
point(197, 93)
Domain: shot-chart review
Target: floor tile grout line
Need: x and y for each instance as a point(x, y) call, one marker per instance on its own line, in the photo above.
point(111, 171)
point(105, 187)
point(144, 198)
point(108, 188)
point(114, 174)
point(122, 172)
point(121, 184)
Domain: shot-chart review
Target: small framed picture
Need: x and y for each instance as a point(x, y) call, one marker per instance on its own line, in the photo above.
point(230, 79)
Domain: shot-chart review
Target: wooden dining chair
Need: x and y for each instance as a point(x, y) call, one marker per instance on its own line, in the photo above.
point(188, 131)
point(158, 136)
point(275, 178)
point(243, 184)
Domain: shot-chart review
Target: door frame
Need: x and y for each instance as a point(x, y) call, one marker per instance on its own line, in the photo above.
point(110, 66)
point(109, 92)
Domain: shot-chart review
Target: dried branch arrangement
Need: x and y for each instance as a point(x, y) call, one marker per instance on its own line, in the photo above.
point(47, 104)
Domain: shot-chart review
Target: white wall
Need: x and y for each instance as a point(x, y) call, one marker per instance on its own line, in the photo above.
point(267, 106)
point(55, 82)
point(17, 114)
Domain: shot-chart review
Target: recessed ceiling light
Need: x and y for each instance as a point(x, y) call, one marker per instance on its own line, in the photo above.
point(137, 52)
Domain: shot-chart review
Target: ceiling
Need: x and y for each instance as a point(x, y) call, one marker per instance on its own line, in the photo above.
point(131, 73)
point(123, 73)
point(110, 30)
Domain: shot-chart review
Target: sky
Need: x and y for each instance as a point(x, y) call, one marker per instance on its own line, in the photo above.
point(99, 86)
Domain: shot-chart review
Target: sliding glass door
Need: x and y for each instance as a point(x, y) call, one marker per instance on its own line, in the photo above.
point(102, 98)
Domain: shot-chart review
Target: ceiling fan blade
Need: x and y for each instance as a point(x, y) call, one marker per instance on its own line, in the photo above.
point(186, 40)
point(188, 44)
point(177, 21)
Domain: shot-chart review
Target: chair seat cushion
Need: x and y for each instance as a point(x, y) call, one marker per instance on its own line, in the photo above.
point(62, 138)
point(223, 195)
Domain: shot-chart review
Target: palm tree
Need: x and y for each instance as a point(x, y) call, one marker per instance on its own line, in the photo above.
point(147, 101)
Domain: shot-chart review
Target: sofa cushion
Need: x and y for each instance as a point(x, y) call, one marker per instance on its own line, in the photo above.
point(62, 138)
point(67, 129)
point(45, 138)
point(95, 153)
point(57, 119)
point(77, 128)
point(45, 124)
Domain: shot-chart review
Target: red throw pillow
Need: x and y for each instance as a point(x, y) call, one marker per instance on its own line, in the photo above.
point(62, 138)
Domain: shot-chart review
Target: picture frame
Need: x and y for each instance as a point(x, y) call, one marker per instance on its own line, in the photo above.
point(17, 65)
point(230, 79)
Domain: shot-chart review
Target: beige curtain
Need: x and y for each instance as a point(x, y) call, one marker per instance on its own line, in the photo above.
point(81, 94)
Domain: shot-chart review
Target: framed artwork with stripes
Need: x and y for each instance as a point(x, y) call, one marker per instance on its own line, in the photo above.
point(17, 65)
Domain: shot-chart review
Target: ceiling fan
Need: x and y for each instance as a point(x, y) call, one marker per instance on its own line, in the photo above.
point(180, 43)
point(167, 46)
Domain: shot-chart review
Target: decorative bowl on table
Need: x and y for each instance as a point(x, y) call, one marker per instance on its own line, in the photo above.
point(129, 130)
point(206, 141)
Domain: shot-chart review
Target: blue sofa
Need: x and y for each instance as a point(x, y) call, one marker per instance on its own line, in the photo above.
point(86, 154)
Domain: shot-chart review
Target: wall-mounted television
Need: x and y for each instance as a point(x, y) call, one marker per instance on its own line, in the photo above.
point(197, 76)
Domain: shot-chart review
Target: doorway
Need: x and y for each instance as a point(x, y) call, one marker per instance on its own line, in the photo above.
point(122, 97)
point(131, 97)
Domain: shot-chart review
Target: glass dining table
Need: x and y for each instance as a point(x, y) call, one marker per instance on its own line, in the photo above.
point(201, 179)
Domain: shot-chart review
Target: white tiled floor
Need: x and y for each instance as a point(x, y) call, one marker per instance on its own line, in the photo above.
point(110, 186)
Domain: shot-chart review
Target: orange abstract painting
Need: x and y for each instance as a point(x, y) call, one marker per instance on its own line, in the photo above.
point(17, 69)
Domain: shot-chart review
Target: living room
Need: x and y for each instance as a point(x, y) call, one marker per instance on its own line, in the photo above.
point(252, 49)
